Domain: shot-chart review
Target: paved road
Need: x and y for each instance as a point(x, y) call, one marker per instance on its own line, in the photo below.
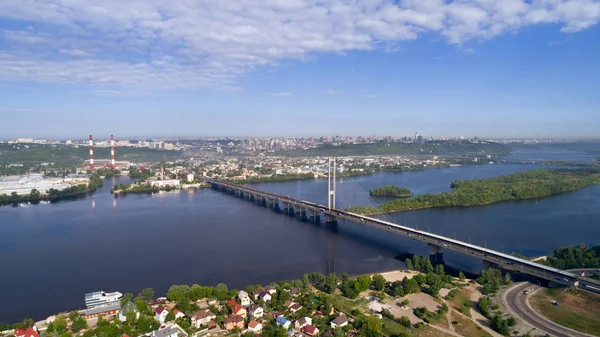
point(518, 303)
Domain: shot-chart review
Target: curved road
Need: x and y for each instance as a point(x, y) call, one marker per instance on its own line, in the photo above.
point(518, 304)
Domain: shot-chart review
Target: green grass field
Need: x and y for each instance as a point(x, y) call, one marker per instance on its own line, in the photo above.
point(578, 310)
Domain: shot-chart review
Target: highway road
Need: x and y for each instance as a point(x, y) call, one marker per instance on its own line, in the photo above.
point(518, 303)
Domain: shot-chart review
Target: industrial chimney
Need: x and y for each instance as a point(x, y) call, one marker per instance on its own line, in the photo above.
point(91, 154)
point(112, 152)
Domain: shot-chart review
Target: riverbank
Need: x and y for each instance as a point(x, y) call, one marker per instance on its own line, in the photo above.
point(95, 181)
point(518, 186)
point(141, 188)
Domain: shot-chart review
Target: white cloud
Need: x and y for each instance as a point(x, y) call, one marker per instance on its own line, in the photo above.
point(280, 94)
point(146, 45)
point(369, 96)
point(333, 92)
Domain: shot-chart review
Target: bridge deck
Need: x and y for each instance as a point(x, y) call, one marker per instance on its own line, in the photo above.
point(506, 261)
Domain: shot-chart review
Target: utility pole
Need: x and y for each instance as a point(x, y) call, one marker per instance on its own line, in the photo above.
point(331, 183)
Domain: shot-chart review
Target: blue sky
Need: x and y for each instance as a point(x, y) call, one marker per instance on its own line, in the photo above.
point(508, 68)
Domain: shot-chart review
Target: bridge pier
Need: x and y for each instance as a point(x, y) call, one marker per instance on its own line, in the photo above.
point(276, 206)
point(286, 208)
point(303, 216)
point(330, 219)
point(292, 211)
point(436, 254)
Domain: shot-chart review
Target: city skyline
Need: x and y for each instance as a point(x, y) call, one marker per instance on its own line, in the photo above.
point(513, 69)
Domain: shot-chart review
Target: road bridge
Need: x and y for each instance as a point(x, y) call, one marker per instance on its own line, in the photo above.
point(309, 211)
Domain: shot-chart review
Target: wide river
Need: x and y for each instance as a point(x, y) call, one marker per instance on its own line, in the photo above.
point(52, 254)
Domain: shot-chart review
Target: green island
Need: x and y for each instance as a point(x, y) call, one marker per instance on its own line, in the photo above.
point(36, 196)
point(391, 191)
point(517, 186)
point(274, 178)
point(384, 148)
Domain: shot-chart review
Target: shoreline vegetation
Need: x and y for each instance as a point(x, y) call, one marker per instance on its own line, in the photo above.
point(35, 196)
point(391, 191)
point(518, 186)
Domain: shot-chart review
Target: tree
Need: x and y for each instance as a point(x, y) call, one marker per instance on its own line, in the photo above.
point(318, 277)
point(78, 324)
point(306, 280)
point(371, 326)
point(60, 324)
point(126, 298)
point(409, 264)
point(330, 283)
point(461, 276)
point(177, 292)
point(397, 289)
point(427, 266)
point(131, 318)
point(298, 283)
point(345, 278)
point(221, 291)
point(439, 269)
point(147, 294)
point(405, 321)
point(378, 282)
point(170, 316)
point(507, 279)
point(141, 305)
point(364, 281)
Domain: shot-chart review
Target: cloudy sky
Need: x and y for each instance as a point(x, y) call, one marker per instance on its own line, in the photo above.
point(299, 67)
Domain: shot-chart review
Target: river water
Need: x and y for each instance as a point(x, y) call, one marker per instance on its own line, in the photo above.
point(51, 254)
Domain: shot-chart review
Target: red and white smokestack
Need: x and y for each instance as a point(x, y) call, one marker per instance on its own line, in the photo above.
point(112, 152)
point(91, 154)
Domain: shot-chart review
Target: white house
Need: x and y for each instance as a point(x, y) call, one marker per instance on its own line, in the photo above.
point(178, 314)
point(127, 308)
point(200, 318)
point(244, 298)
point(170, 331)
point(255, 326)
point(340, 321)
point(160, 314)
point(302, 322)
point(255, 311)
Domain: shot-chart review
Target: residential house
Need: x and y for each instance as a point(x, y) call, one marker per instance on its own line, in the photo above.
point(271, 290)
point(287, 304)
point(255, 311)
point(170, 331)
point(339, 321)
point(178, 314)
point(282, 321)
point(302, 322)
point(295, 291)
point(256, 293)
point(200, 318)
point(232, 303)
point(29, 332)
point(310, 330)
point(239, 310)
point(244, 298)
point(265, 296)
point(212, 325)
point(212, 301)
point(255, 326)
point(127, 308)
point(160, 313)
point(234, 321)
point(295, 307)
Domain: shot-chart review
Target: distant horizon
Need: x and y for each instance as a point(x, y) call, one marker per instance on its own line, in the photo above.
point(172, 137)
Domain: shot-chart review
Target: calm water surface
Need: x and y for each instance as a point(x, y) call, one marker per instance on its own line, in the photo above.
point(51, 254)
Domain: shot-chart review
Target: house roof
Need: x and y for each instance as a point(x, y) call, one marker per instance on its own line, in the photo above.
point(253, 324)
point(211, 324)
point(257, 291)
point(242, 294)
point(310, 329)
point(233, 319)
point(281, 320)
point(168, 331)
point(301, 321)
point(340, 320)
point(203, 314)
point(288, 303)
point(232, 303)
point(296, 306)
point(29, 332)
point(160, 309)
point(253, 308)
point(176, 311)
point(237, 308)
